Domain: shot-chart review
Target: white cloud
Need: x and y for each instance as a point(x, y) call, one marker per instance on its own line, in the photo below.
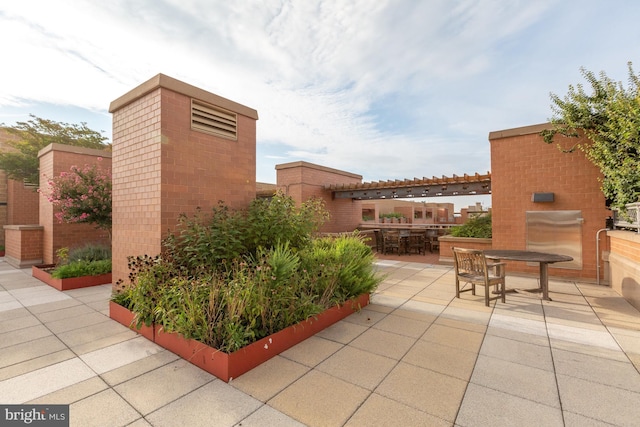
point(387, 89)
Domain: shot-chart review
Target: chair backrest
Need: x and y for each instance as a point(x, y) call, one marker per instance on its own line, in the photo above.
point(417, 237)
point(469, 261)
point(391, 235)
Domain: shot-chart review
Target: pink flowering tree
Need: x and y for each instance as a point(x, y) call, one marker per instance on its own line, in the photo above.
point(82, 195)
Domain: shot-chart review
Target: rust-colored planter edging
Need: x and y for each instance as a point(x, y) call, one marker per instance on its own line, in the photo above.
point(40, 273)
point(227, 366)
point(125, 317)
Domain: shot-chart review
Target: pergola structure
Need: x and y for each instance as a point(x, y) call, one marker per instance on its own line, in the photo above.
point(425, 187)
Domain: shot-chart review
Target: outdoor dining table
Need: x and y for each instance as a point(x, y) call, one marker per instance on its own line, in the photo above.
point(543, 258)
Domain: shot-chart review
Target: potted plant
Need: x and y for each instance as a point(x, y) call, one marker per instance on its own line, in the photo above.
point(82, 267)
point(474, 234)
point(392, 217)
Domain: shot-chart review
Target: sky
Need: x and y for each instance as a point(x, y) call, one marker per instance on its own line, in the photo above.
point(388, 89)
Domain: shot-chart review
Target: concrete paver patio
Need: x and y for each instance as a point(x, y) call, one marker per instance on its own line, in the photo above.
point(416, 356)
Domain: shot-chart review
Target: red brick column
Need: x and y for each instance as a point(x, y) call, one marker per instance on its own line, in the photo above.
point(163, 167)
point(23, 245)
point(55, 159)
point(302, 181)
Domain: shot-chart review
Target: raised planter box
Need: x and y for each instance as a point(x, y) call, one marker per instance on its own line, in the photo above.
point(449, 242)
point(622, 265)
point(125, 317)
point(227, 366)
point(41, 272)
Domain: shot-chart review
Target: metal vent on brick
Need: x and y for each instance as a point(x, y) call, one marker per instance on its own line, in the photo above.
point(214, 120)
point(27, 184)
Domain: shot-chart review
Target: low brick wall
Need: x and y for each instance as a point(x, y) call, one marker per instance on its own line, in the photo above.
point(624, 265)
point(23, 245)
point(449, 242)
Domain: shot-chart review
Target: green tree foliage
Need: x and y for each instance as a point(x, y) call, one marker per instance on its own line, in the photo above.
point(610, 117)
point(34, 135)
point(82, 195)
point(479, 227)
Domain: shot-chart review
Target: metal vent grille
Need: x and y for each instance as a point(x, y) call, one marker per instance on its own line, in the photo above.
point(27, 184)
point(209, 119)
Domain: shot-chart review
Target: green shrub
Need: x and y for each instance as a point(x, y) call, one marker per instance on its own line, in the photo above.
point(278, 220)
point(391, 215)
point(82, 268)
point(226, 309)
point(206, 240)
point(340, 268)
point(88, 260)
point(276, 282)
point(479, 227)
point(147, 276)
point(91, 252)
point(123, 298)
point(210, 241)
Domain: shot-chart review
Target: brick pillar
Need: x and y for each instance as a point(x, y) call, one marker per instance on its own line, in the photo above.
point(22, 203)
point(24, 245)
point(55, 159)
point(167, 161)
point(302, 180)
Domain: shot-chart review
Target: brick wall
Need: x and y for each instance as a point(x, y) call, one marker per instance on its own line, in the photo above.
point(55, 159)
point(18, 204)
point(163, 168)
point(4, 211)
point(447, 243)
point(24, 245)
point(521, 164)
point(22, 203)
point(5, 138)
point(302, 181)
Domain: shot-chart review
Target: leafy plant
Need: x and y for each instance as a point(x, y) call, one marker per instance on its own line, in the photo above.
point(215, 239)
point(82, 195)
point(391, 215)
point(340, 268)
point(279, 220)
point(609, 116)
point(123, 298)
point(479, 227)
point(148, 275)
point(89, 252)
point(204, 240)
point(62, 255)
point(212, 286)
point(88, 260)
point(82, 268)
